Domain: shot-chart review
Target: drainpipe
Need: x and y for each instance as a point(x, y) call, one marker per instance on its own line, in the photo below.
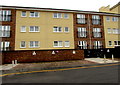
point(89, 30)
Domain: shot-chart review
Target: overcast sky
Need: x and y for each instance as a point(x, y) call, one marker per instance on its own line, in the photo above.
point(86, 5)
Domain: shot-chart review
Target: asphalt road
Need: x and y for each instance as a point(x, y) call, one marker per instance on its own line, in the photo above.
point(107, 74)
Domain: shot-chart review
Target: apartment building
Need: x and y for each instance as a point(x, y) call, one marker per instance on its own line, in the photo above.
point(111, 26)
point(43, 34)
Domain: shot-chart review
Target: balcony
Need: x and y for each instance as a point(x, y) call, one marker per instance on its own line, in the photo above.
point(96, 22)
point(97, 34)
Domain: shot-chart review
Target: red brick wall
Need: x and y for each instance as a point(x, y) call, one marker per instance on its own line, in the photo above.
point(26, 56)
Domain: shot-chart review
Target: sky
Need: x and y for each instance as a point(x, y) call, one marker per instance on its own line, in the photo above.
point(85, 5)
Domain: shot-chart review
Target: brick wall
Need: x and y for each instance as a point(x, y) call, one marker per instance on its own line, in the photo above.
point(27, 56)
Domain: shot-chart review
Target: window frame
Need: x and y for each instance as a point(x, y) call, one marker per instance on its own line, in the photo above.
point(58, 44)
point(34, 14)
point(34, 29)
point(34, 44)
point(22, 14)
point(68, 42)
point(21, 44)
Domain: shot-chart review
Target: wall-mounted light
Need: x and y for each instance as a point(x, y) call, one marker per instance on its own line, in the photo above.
point(53, 52)
point(74, 52)
point(34, 53)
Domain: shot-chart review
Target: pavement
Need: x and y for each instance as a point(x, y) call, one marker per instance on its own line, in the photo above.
point(101, 60)
point(37, 66)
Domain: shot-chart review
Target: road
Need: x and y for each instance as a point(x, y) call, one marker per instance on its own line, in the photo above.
point(105, 74)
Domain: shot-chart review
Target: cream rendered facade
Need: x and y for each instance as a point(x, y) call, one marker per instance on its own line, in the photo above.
point(111, 37)
point(46, 36)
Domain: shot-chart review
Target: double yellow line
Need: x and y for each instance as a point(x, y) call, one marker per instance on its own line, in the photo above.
point(57, 69)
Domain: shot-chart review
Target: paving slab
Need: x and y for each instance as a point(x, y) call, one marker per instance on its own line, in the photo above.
point(101, 60)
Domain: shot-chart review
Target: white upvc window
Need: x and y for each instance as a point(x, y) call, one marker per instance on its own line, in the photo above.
point(67, 43)
point(109, 30)
point(66, 29)
point(109, 43)
point(5, 15)
point(22, 44)
point(81, 16)
point(107, 18)
point(23, 29)
point(66, 16)
point(23, 14)
point(114, 18)
point(4, 45)
point(115, 31)
point(1, 46)
point(34, 44)
point(58, 44)
point(4, 31)
point(118, 30)
point(82, 44)
point(34, 14)
point(57, 15)
point(116, 43)
point(57, 29)
point(82, 32)
point(95, 17)
point(97, 32)
point(34, 29)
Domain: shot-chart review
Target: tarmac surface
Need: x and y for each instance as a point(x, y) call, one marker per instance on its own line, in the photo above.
point(99, 74)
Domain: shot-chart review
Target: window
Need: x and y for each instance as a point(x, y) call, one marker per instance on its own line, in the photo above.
point(95, 19)
point(23, 13)
point(110, 43)
point(114, 18)
point(4, 31)
point(82, 32)
point(67, 44)
point(57, 29)
point(109, 30)
point(66, 29)
point(5, 15)
point(116, 43)
point(66, 16)
point(82, 44)
point(57, 15)
point(97, 44)
point(34, 29)
point(22, 44)
point(4, 46)
point(34, 44)
point(115, 31)
point(107, 18)
point(81, 19)
point(34, 14)
point(118, 30)
point(58, 44)
point(96, 32)
point(23, 29)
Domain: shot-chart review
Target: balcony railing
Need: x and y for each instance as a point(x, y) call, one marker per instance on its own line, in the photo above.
point(83, 47)
point(96, 21)
point(97, 47)
point(5, 49)
point(81, 20)
point(97, 34)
